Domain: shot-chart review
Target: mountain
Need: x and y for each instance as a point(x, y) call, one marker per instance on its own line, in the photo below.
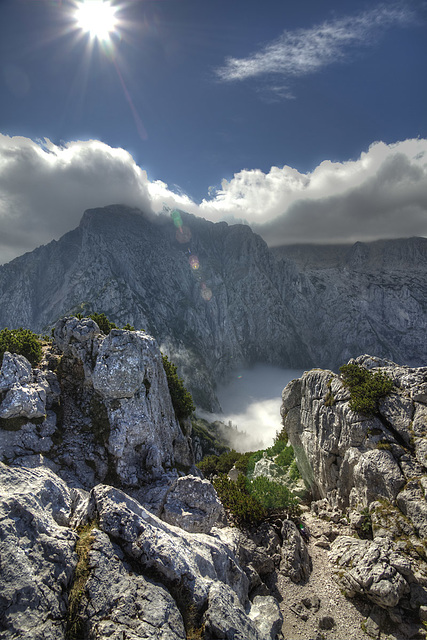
point(216, 297)
point(361, 298)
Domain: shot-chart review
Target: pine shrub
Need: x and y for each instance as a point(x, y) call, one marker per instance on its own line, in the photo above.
point(366, 388)
point(22, 342)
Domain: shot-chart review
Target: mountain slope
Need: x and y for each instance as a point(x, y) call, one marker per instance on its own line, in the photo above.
point(133, 269)
point(216, 297)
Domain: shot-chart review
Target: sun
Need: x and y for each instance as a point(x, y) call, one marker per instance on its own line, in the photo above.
point(96, 17)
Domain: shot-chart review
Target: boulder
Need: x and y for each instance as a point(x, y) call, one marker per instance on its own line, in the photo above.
point(25, 394)
point(226, 619)
point(15, 369)
point(24, 401)
point(266, 615)
point(192, 504)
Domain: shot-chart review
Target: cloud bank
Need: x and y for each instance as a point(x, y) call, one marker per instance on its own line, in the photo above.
point(304, 51)
point(44, 189)
point(382, 194)
point(251, 402)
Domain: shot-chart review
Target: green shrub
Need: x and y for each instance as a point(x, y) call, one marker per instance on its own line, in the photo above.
point(277, 448)
point(253, 459)
point(22, 342)
point(294, 473)
point(366, 388)
point(103, 322)
point(241, 463)
point(245, 509)
point(251, 501)
point(208, 466)
point(273, 496)
point(281, 436)
point(181, 398)
point(285, 457)
point(214, 465)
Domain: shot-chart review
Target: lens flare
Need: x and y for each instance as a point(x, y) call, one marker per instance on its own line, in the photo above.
point(176, 217)
point(206, 293)
point(194, 262)
point(183, 235)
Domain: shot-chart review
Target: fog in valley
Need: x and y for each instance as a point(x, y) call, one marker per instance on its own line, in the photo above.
point(251, 402)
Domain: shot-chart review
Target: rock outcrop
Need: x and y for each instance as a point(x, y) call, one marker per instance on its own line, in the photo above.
point(371, 469)
point(104, 414)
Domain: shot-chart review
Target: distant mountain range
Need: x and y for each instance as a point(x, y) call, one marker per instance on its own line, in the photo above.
point(216, 297)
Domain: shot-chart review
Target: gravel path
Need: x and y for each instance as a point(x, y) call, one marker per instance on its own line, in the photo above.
point(320, 586)
point(322, 598)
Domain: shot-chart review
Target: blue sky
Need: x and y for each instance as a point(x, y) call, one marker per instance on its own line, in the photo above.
point(281, 114)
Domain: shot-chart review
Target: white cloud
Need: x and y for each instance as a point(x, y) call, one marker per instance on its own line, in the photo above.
point(45, 188)
point(382, 194)
point(304, 51)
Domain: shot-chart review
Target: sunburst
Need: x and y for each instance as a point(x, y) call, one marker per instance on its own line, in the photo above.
point(97, 18)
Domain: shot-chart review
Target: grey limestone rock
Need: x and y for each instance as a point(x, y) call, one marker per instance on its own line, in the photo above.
point(349, 458)
point(266, 615)
point(28, 401)
point(256, 554)
point(372, 466)
point(37, 553)
point(120, 603)
point(194, 560)
point(371, 568)
point(15, 369)
point(144, 577)
point(79, 339)
point(226, 619)
point(267, 467)
point(296, 563)
point(192, 504)
point(25, 394)
point(124, 421)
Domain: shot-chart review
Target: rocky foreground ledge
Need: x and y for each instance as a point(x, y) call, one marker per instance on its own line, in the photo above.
point(108, 531)
point(105, 531)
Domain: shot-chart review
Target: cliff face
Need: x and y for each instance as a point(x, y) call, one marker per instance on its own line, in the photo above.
point(365, 298)
point(373, 469)
point(216, 297)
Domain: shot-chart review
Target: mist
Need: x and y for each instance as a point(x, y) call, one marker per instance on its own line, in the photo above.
point(251, 402)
